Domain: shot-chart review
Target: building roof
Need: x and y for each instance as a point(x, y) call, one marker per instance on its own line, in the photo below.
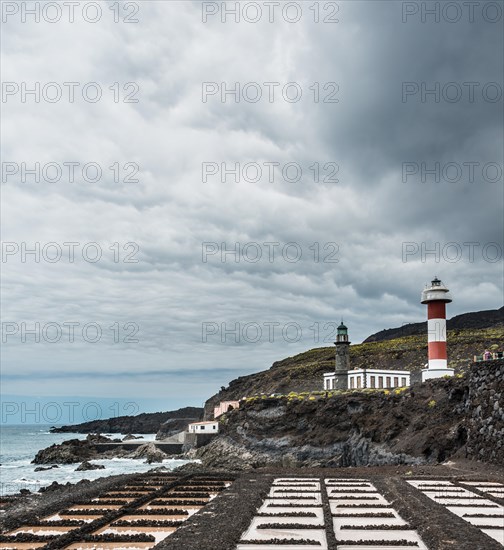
point(372, 371)
point(379, 371)
point(204, 422)
point(437, 291)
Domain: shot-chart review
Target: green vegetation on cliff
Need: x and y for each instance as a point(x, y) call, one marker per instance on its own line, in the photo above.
point(304, 372)
point(449, 417)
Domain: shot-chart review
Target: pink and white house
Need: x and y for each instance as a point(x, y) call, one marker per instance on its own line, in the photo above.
point(224, 407)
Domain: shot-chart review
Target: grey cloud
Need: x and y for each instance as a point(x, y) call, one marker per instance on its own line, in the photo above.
point(370, 212)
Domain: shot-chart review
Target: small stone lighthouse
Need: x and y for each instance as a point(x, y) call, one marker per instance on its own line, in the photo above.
point(342, 364)
point(436, 296)
point(345, 379)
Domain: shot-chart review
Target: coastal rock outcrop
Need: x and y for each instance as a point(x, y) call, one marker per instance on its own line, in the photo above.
point(68, 452)
point(82, 451)
point(71, 451)
point(42, 469)
point(85, 466)
point(144, 423)
point(150, 452)
point(226, 453)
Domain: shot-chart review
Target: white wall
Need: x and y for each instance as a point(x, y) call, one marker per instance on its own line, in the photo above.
point(204, 428)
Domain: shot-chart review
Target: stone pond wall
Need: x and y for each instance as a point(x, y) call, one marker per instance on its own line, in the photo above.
point(485, 412)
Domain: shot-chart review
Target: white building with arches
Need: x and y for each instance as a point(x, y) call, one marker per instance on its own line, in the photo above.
point(344, 378)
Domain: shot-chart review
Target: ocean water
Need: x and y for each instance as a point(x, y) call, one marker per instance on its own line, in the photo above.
point(20, 444)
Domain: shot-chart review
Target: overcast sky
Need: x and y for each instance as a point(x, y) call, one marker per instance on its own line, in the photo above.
point(346, 130)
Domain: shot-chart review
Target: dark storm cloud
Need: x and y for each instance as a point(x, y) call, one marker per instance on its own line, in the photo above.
point(369, 213)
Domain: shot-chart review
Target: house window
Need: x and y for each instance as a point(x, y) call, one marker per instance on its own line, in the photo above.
point(403, 381)
point(389, 382)
point(396, 381)
point(380, 381)
point(351, 383)
point(359, 382)
point(373, 382)
point(202, 427)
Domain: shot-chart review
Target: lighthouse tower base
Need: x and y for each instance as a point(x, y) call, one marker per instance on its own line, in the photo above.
point(428, 374)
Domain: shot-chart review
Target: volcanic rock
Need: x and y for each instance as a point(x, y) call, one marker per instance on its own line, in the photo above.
point(42, 469)
point(72, 451)
point(150, 452)
point(88, 466)
point(145, 423)
point(68, 452)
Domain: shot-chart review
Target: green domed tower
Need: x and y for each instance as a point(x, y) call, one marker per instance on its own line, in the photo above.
point(342, 363)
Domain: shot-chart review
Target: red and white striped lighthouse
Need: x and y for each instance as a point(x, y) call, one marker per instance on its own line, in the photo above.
point(436, 296)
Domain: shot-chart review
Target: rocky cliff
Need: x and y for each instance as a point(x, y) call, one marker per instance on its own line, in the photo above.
point(425, 424)
point(304, 372)
point(474, 320)
point(146, 423)
point(82, 450)
point(71, 451)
